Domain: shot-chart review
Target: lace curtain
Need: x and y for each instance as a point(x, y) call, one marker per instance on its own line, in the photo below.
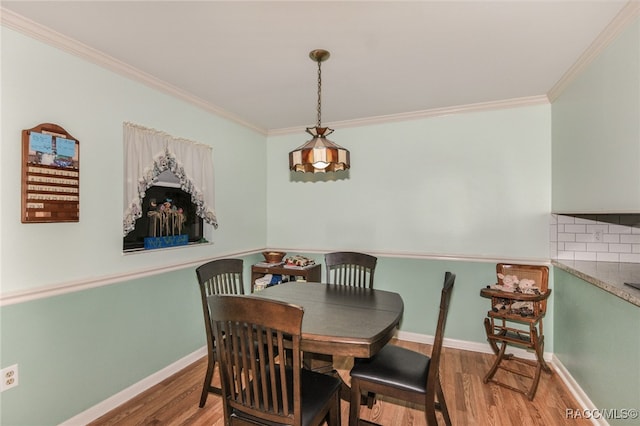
point(149, 152)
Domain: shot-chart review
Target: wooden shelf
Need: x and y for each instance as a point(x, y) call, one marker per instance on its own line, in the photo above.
point(311, 274)
point(523, 297)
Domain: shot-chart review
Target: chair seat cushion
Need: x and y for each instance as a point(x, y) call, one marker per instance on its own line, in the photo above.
point(316, 389)
point(394, 366)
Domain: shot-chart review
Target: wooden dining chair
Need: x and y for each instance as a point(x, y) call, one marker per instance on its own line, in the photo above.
point(405, 374)
point(515, 320)
point(222, 276)
point(350, 268)
point(260, 365)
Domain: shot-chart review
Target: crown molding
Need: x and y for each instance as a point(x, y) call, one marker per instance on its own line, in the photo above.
point(627, 14)
point(429, 113)
point(39, 32)
point(53, 38)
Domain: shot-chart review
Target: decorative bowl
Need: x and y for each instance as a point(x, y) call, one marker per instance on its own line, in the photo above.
point(273, 256)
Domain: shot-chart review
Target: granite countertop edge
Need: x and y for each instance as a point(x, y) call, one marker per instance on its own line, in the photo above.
point(609, 276)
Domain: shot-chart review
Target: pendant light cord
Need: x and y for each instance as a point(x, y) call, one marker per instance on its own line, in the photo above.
point(319, 93)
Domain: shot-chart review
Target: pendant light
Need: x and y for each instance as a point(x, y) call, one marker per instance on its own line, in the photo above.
point(319, 155)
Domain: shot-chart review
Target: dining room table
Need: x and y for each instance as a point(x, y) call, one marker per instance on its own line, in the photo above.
point(341, 320)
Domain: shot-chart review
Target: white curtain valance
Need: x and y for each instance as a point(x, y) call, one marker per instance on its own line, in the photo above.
point(149, 152)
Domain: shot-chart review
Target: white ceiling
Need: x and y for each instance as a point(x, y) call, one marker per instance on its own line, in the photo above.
point(250, 59)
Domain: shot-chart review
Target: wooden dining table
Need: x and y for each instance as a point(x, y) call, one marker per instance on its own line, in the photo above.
point(341, 320)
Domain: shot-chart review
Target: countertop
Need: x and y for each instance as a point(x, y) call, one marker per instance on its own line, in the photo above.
point(609, 276)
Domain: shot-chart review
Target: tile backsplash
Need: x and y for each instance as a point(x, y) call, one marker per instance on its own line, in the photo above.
point(609, 238)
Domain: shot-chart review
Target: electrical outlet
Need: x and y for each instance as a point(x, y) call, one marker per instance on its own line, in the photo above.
point(597, 235)
point(9, 376)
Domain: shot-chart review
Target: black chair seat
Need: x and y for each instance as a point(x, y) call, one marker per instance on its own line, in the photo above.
point(404, 374)
point(395, 366)
point(316, 392)
point(317, 389)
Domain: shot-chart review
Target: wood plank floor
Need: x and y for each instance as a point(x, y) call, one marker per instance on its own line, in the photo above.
point(470, 402)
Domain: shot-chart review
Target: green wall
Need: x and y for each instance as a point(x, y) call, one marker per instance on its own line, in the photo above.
point(475, 184)
point(471, 188)
point(595, 155)
point(41, 84)
point(597, 338)
point(596, 133)
point(76, 350)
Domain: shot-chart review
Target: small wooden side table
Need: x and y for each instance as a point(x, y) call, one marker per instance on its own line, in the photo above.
point(312, 273)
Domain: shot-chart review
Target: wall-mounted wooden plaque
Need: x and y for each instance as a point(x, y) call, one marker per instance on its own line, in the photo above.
point(50, 175)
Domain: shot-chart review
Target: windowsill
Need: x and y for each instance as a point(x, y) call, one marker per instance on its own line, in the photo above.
point(143, 250)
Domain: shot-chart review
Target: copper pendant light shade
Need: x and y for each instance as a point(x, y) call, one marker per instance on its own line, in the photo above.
point(319, 155)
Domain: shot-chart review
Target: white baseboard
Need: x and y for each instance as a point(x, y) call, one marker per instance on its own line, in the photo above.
point(469, 346)
point(581, 397)
point(120, 398)
point(125, 395)
point(584, 403)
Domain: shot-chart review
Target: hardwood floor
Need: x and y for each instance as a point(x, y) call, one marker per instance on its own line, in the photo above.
point(470, 402)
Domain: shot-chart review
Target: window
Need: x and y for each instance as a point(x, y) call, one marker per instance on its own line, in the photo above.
point(151, 159)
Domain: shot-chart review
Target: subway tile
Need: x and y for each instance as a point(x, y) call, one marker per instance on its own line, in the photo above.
point(619, 248)
point(607, 257)
point(633, 239)
point(585, 238)
point(610, 238)
point(630, 258)
point(578, 229)
point(598, 227)
point(572, 238)
point(583, 255)
point(619, 229)
point(575, 247)
point(566, 219)
point(584, 220)
point(599, 247)
point(563, 236)
point(566, 255)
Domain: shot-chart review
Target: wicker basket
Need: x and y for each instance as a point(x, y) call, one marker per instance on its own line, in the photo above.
point(273, 256)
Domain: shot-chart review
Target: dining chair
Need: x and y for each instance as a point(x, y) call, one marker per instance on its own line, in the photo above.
point(221, 276)
point(518, 305)
point(260, 365)
point(405, 374)
point(350, 268)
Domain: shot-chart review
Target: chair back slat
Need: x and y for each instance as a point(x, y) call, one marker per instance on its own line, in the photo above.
point(433, 376)
point(260, 358)
point(220, 276)
point(350, 268)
